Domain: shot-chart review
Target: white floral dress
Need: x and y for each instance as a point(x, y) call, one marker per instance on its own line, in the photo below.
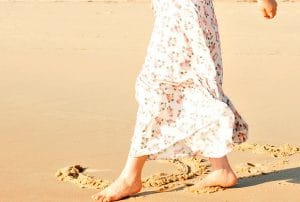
point(182, 109)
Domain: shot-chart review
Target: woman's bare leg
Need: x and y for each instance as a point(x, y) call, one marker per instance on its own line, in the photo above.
point(221, 175)
point(128, 183)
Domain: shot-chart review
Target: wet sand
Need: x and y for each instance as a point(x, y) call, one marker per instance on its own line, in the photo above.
point(67, 72)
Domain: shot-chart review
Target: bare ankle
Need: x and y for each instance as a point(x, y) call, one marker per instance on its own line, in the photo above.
point(231, 178)
point(133, 168)
point(220, 163)
point(131, 177)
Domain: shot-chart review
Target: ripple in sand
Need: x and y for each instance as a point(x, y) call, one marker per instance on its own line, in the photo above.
point(187, 168)
point(251, 169)
point(276, 151)
point(205, 190)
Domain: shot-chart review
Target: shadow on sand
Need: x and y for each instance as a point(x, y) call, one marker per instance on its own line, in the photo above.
point(290, 175)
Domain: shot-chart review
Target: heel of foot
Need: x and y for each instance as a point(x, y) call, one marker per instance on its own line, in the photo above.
point(231, 180)
point(222, 177)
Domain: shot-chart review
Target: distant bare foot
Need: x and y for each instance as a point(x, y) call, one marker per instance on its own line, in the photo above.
point(220, 177)
point(119, 189)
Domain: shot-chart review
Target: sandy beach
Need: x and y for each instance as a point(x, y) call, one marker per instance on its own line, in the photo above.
point(67, 74)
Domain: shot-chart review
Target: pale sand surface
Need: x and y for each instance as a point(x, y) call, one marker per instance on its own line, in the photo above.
point(67, 73)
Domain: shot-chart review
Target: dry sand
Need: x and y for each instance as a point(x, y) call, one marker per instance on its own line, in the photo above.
point(67, 72)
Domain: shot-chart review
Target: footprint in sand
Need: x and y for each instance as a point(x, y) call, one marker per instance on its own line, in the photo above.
point(75, 174)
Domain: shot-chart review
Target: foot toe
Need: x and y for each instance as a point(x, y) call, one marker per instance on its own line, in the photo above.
point(107, 199)
point(97, 196)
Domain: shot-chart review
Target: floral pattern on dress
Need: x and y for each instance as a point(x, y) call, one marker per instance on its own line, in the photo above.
point(182, 109)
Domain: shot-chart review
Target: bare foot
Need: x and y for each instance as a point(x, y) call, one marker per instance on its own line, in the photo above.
point(220, 177)
point(119, 189)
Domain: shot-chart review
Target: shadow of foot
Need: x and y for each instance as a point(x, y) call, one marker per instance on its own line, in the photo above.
point(291, 175)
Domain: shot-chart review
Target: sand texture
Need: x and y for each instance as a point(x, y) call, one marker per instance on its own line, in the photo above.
point(191, 168)
point(67, 74)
